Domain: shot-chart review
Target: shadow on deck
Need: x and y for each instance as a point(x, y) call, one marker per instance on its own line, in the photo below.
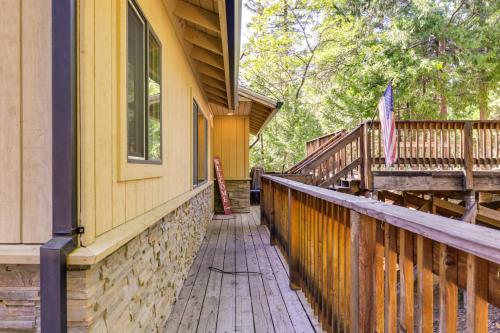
point(259, 301)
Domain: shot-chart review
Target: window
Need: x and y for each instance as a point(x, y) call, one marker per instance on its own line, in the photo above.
point(143, 89)
point(200, 146)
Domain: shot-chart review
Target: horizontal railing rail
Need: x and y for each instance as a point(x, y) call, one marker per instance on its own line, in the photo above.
point(346, 253)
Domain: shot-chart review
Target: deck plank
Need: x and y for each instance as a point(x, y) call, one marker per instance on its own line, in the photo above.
point(226, 321)
point(174, 320)
point(244, 318)
point(300, 320)
point(279, 313)
point(212, 301)
point(208, 316)
point(189, 321)
point(301, 296)
point(261, 313)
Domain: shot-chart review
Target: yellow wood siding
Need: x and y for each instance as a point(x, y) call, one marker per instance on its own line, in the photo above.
point(25, 121)
point(113, 191)
point(230, 143)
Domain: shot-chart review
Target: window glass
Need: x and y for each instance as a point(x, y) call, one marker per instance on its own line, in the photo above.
point(195, 143)
point(135, 85)
point(143, 89)
point(154, 99)
point(200, 145)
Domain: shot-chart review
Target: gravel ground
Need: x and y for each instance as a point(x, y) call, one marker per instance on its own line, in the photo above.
point(493, 316)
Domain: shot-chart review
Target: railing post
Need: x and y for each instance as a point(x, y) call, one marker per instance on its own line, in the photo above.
point(366, 182)
point(468, 157)
point(272, 227)
point(363, 250)
point(293, 240)
point(262, 204)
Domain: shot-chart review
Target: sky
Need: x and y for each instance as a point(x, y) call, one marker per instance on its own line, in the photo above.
point(246, 15)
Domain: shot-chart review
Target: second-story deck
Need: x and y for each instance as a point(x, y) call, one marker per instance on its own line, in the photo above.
point(433, 156)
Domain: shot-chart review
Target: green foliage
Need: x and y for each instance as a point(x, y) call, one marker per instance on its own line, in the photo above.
point(330, 61)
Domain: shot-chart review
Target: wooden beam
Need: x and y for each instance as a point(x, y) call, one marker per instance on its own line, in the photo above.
point(198, 16)
point(180, 33)
point(217, 99)
point(210, 71)
point(207, 57)
point(213, 83)
point(221, 104)
point(257, 117)
point(260, 112)
point(488, 215)
point(214, 92)
point(203, 40)
point(225, 47)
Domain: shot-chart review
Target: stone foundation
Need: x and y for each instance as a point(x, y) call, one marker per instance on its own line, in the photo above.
point(132, 290)
point(19, 298)
point(239, 196)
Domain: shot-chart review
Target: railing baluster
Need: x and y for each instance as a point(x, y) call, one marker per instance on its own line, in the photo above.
point(302, 251)
point(448, 290)
point(411, 144)
point(363, 232)
point(423, 144)
point(477, 294)
point(341, 268)
point(435, 144)
point(347, 269)
point(398, 128)
point(417, 134)
point(329, 269)
point(390, 244)
point(324, 264)
point(335, 277)
point(425, 297)
point(406, 280)
point(308, 248)
point(315, 245)
point(293, 239)
point(379, 279)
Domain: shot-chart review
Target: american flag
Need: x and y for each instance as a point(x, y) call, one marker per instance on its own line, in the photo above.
point(388, 125)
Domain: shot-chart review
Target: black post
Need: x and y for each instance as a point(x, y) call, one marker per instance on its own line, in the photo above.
point(53, 253)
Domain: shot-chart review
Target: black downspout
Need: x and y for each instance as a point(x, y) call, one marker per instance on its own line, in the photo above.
point(53, 254)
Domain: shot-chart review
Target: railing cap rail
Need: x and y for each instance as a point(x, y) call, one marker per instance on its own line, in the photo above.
point(434, 121)
point(478, 240)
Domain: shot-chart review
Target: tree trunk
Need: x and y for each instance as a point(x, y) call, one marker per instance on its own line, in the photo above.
point(443, 105)
point(484, 112)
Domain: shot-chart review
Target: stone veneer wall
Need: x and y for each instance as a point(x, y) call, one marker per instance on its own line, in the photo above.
point(239, 196)
point(19, 298)
point(132, 290)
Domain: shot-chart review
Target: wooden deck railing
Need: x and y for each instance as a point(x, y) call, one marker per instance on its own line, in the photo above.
point(422, 145)
point(440, 144)
point(346, 253)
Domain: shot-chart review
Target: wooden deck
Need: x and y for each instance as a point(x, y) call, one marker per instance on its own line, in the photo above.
point(211, 301)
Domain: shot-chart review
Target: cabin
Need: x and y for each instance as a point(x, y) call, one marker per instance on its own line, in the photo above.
point(111, 115)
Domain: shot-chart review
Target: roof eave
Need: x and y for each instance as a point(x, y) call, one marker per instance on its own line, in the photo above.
point(233, 17)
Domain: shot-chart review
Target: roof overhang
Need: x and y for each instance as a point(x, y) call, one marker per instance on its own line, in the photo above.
point(259, 108)
point(209, 32)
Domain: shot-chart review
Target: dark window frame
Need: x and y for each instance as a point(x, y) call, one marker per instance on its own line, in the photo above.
point(148, 31)
point(196, 112)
